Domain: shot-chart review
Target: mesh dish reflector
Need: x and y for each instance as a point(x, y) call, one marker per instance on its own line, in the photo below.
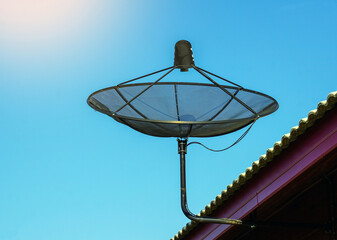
point(178, 109)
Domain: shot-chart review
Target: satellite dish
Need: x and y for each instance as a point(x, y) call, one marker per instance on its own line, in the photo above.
point(184, 110)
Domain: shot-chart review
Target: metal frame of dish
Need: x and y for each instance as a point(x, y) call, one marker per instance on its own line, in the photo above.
point(121, 118)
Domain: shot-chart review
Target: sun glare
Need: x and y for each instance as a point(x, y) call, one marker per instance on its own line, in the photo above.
point(41, 21)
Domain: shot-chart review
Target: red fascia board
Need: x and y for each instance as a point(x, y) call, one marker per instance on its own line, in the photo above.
point(310, 148)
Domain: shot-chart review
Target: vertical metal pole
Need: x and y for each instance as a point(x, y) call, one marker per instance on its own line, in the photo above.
point(182, 150)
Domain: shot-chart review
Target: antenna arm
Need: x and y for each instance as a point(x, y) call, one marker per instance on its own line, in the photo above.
point(182, 150)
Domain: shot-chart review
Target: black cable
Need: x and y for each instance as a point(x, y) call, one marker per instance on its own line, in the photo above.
point(236, 142)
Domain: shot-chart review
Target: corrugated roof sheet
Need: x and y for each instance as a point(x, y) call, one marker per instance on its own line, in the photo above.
point(279, 146)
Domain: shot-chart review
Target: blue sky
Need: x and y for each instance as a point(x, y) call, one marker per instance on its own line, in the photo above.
point(68, 172)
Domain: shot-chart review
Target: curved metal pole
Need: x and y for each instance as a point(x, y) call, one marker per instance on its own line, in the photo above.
point(182, 150)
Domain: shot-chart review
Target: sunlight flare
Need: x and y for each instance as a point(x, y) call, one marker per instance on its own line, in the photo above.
point(42, 22)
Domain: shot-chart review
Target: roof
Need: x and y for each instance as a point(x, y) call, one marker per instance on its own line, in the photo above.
point(271, 153)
